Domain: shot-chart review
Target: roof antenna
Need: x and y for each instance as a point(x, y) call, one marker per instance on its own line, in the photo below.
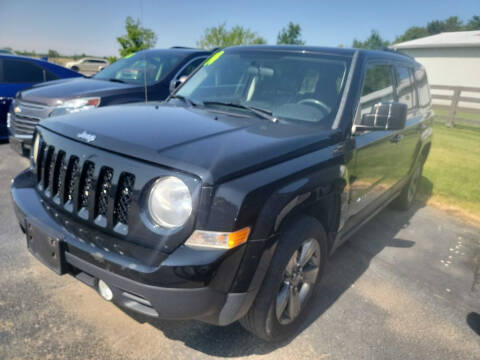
point(144, 58)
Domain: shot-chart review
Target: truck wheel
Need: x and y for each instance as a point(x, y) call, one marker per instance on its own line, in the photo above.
point(294, 272)
point(75, 68)
point(405, 200)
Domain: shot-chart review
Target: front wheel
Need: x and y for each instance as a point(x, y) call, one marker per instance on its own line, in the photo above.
point(295, 270)
point(407, 196)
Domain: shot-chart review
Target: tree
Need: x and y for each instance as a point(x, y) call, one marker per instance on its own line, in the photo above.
point(53, 54)
point(473, 24)
point(112, 59)
point(415, 32)
point(453, 23)
point(290, 35)
point(374, 41)
point(220, 36)
point(137, 38)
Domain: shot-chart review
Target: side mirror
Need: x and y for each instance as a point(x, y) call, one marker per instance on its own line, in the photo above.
point(177, 82)
point(384, 116)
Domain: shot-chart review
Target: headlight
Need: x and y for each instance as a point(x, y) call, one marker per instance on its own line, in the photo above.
point(36, 143)
point(170, 202)
point(76, 105)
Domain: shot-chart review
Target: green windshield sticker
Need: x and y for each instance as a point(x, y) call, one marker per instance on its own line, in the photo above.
point(213, 58)
point(129, 55)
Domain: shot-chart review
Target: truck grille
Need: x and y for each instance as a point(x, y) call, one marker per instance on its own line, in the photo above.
point(23, 122)
point(85, 189)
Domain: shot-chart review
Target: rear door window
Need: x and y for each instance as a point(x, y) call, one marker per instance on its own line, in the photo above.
point(19, 71)
point(424, 98)
point(404, 86)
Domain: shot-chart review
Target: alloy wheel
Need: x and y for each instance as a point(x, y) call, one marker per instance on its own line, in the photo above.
point(412, 188)
point(299, 278)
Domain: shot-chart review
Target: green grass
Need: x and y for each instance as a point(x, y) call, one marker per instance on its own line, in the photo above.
point(452, 172)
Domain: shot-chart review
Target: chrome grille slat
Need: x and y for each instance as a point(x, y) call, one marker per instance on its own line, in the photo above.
point(24, 121)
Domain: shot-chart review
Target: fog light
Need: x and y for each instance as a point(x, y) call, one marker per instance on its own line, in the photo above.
point(105, 290)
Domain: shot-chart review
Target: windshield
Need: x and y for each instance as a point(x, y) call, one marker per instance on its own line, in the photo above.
point(132, 69)
point(289, 86)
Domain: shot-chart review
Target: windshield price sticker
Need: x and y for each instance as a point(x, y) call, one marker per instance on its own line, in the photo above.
point(213, 58)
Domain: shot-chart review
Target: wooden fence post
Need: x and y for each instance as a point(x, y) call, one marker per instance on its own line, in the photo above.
point(453, 107)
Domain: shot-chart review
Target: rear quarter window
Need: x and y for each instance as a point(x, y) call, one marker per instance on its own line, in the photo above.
point(424, 98)
point(404, 86)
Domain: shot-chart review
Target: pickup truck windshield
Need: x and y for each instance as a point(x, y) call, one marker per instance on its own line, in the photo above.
point(291, 86)
point(154, 66)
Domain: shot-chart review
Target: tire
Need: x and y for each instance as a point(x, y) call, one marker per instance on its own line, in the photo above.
point(266, 319)
point(75, 68)
point(406, 198)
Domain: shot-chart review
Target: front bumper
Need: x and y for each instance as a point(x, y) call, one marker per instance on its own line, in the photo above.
point(90, 263)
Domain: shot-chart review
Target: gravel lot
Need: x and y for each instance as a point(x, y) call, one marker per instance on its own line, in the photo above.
point(403, 288)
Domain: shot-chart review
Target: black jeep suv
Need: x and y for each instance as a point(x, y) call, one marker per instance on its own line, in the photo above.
point(224, 203)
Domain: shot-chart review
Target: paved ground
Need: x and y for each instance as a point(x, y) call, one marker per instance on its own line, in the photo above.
point(403, 288)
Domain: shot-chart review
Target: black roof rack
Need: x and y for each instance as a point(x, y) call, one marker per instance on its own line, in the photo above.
point(395, 51)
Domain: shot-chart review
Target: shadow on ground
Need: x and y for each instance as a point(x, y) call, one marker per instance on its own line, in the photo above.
point(473, 320)
point(344, 268)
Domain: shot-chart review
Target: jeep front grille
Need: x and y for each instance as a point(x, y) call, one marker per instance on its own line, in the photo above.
point(85, 189)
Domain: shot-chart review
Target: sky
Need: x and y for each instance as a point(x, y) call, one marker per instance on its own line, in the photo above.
point(91, 26)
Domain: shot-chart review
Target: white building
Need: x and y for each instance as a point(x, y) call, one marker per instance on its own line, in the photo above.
point(450, 58)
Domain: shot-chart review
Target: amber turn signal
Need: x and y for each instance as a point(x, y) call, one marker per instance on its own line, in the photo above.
point(218, 240)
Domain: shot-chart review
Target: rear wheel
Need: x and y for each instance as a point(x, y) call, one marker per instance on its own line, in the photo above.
point(295, 270)
point(75, 68)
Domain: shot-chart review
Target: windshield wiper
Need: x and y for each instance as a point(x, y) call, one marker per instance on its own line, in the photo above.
point(184, 99)
point(263, 113)
point(116, 80)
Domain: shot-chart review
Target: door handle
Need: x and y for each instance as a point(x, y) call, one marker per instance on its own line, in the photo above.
point(396, 138)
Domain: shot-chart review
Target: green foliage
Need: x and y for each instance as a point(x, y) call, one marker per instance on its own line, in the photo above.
point(290, 35)
point(112, 59)
point(374, 41)
point(453, 23)
point(27, 53)
point(473, 23)
point(53, 53)
point(455, 148)
point(415, 32)
point(220, 36)
point(137, 38)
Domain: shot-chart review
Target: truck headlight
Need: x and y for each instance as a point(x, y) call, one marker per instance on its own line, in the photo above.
point(170, 202)
point(76, 105)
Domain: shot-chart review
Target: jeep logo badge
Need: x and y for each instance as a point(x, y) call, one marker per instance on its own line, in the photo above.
point(86, 137)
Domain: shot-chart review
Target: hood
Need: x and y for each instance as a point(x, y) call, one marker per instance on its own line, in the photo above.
point(51, 92)
point(213, 146)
